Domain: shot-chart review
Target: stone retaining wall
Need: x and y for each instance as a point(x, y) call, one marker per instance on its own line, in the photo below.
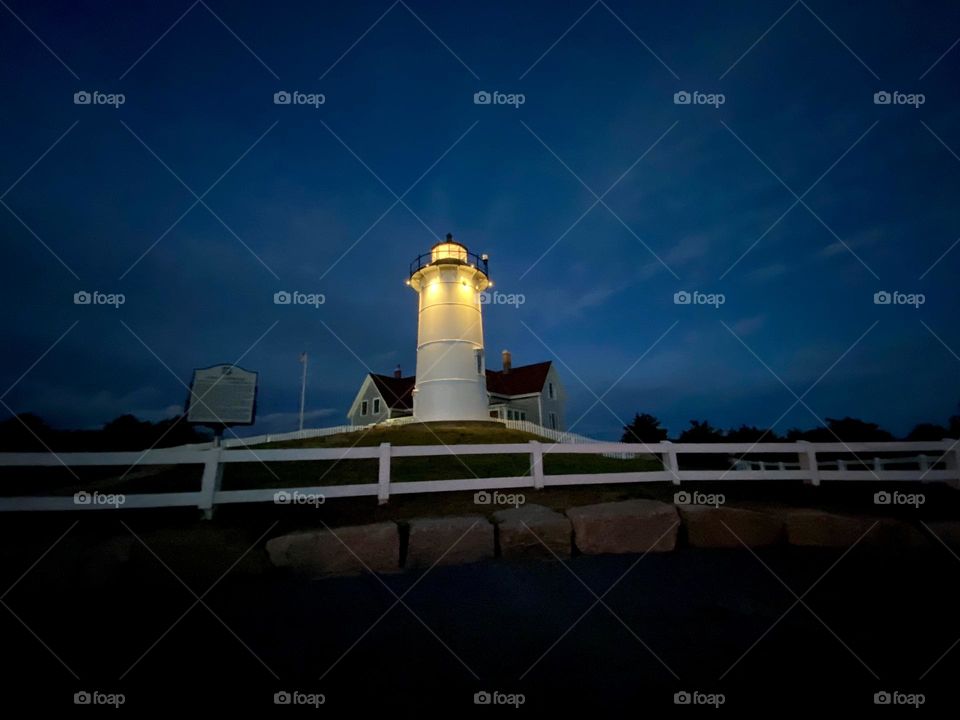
point(631, 526)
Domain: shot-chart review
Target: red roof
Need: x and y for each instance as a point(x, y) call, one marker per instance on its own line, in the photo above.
point(519, 381)
point(396, 392)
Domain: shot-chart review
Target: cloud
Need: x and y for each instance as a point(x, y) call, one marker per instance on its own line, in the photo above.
point(864, 238)
point(768, 272)
point(750, 325)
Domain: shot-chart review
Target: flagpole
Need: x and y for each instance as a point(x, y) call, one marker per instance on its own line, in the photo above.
point(303, 387)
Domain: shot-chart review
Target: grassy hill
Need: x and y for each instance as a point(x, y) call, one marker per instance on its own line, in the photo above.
point(343, 472)
point(433, 433)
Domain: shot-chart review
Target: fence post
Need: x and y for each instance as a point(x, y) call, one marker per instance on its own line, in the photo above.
point(383, 480)
point(210, 482)
point(808, 462)
point(951, 459)
point(536, 464)
point(669, 459)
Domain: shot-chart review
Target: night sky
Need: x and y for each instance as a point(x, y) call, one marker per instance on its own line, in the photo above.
point(798, 198)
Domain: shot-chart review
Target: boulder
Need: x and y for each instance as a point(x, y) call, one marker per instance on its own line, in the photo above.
point(631, 526)
point(817, 528)
point(449, 541)
point(947, 531)
point(321, 552)
point(729, 527)
point(902, 534)
point(533, 531)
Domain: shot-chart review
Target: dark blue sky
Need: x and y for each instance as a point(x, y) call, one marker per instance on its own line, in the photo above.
point(510, 182)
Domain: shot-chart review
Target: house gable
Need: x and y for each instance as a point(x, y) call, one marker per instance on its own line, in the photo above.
point(363, 393)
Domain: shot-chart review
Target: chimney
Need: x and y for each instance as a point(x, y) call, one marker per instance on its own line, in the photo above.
point(397, 373)
point(507, 361)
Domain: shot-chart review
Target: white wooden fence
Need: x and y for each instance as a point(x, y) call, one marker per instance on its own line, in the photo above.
point(923, 462)
point(937, 461)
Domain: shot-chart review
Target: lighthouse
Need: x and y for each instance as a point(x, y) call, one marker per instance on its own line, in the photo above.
point(451, 379)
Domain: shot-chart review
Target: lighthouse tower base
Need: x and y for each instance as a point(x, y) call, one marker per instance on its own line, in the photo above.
point(457, 401)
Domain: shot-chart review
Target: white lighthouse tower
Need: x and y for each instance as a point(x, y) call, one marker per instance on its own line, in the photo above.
point(451, 371)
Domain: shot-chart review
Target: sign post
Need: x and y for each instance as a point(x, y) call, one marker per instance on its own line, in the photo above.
point(303, 387)
point(221, 396)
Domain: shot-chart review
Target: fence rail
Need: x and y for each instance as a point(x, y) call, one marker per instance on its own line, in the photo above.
point(937, 461)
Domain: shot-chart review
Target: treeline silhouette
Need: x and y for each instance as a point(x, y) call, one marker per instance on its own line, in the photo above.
point(646, 428)
point(28, 432)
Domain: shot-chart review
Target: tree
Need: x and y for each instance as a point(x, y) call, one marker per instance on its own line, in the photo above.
point(927, 432)
point(953, 429)
point(847, 429)
point(126, 433)
point(854, 430)
point(644, 429)
point(817, 434)
point(701, 432)
point(26, 432)
point(751, 434)
point(30, 433)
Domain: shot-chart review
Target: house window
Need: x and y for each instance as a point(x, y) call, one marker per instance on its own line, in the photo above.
point(363, 407)
point(553, 421)
point(516, 415)
point(550, 393)
point(376, 406)
point(479, 354)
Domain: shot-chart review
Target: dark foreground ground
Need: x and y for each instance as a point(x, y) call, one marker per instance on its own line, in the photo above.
point(871, 620)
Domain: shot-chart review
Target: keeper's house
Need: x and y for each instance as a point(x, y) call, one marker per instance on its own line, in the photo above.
point(527, 392)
